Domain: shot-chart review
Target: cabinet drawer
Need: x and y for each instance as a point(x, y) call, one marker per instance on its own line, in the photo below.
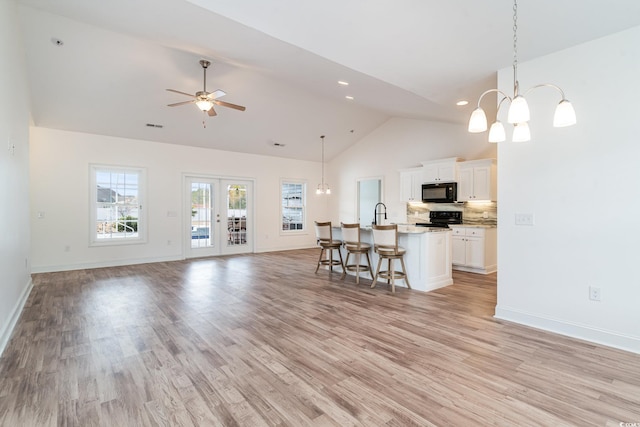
point(458, 231)
point(468, 231)
point(476, 232)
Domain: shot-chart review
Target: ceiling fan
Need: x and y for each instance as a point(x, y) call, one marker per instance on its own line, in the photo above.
point(205, 100)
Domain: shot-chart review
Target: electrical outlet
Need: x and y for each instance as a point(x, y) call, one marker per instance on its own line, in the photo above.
point(524, 218)
point(594, 293)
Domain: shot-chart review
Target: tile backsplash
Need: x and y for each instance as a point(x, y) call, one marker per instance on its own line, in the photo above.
point(472, 212)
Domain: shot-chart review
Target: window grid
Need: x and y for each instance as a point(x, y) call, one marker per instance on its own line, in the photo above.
point(117, 205)
point(293, 196)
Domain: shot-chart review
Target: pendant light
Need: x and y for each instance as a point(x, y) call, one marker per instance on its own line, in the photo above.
point(518, 113)
point(322, 187)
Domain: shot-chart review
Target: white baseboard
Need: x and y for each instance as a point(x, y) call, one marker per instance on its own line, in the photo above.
point(488, 270)
point(288, 248)
point(6, 332)
point(133, 261)
point(571, 329)
point(102, 264)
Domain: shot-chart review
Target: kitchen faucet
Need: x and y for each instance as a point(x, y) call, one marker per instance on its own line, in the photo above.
point(376, 213)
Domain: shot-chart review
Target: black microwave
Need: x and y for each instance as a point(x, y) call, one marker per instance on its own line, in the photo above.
point(444, 192)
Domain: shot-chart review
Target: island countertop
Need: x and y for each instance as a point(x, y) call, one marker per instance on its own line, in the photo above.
point(428, 258)
point(412, 229)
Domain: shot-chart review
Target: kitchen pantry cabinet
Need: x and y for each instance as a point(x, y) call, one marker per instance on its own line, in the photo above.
point(444, 170)
point(474, 249)
point(477, 180)
point(411, 184)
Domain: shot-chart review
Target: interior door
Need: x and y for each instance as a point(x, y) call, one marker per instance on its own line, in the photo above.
point(369, 194)
point(220, 219)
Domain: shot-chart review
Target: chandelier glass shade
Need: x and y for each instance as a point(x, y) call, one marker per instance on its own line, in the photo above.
point(322, 187)
point(518, 113)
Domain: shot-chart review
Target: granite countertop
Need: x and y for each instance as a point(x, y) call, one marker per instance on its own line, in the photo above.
point(412, 229)
point(473, 225)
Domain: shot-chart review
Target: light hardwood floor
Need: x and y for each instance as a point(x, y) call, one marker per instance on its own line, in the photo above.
point(260, 340)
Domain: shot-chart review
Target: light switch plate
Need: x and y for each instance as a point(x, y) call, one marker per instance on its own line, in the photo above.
point(524, 218)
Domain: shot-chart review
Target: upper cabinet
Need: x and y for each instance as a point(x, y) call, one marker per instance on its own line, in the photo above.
point(411, 184)
point(444, 170)
point(477, 180)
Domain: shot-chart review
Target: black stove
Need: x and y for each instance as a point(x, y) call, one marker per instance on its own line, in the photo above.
point(442, 219)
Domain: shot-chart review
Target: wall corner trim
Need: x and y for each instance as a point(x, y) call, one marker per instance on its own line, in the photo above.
point(5, 333)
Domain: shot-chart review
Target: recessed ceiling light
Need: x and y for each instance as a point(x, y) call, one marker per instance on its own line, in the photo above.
point(343, 83)
point(350, 98)
point(461, 103)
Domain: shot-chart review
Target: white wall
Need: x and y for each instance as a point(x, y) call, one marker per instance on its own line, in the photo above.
point(15, 281)
point(59, 188)
point(582, 183)
point(399, 143)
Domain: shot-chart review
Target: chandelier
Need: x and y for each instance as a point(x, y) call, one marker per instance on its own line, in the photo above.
point(322, 187)
point(518, 113)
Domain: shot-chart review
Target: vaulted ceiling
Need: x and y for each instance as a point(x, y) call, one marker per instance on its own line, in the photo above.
point(282, 59)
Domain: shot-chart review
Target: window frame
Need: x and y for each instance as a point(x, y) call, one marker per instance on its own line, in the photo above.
point(304, 229)
point(141, 172)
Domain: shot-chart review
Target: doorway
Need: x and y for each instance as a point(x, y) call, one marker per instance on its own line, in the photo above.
point(219, 216)
point(369, 194)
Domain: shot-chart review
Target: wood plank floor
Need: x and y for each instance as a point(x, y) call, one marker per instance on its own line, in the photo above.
point(259, 340)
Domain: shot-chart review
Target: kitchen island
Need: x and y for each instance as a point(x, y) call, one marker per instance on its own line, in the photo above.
point(428, 257)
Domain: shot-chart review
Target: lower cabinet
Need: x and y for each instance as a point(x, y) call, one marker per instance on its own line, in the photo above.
point(474, 249)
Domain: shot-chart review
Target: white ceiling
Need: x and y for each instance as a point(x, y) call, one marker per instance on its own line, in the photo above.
point(282, 60)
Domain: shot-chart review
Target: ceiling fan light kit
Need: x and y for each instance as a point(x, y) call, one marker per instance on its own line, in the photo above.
point(518, 113)
point(205, 100)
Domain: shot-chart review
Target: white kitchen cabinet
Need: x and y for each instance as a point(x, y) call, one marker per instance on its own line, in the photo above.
point(411, 184)
point(444, 170)
point(477, 180)
point(474, 249)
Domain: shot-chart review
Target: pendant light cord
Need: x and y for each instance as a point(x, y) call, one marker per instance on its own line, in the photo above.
point(322, 138)
point(515, 48)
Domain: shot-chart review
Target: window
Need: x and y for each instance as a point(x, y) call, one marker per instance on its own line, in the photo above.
point(116, 205)
point(293, 197)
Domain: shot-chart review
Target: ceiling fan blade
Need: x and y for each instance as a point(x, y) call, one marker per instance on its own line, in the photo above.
point(212, 112)
point(181, 93)
point(181, 103)
point(229, 105)
point(216, 94)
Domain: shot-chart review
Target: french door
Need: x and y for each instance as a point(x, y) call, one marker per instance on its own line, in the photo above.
point(219, 216)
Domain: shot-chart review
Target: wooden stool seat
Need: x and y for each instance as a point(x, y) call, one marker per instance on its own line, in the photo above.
point(325, 240)
point(385, 238)
point(353, 246)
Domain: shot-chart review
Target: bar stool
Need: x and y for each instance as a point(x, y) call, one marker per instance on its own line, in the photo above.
point(324, 238)
point(352, 244)
point(385, 243)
